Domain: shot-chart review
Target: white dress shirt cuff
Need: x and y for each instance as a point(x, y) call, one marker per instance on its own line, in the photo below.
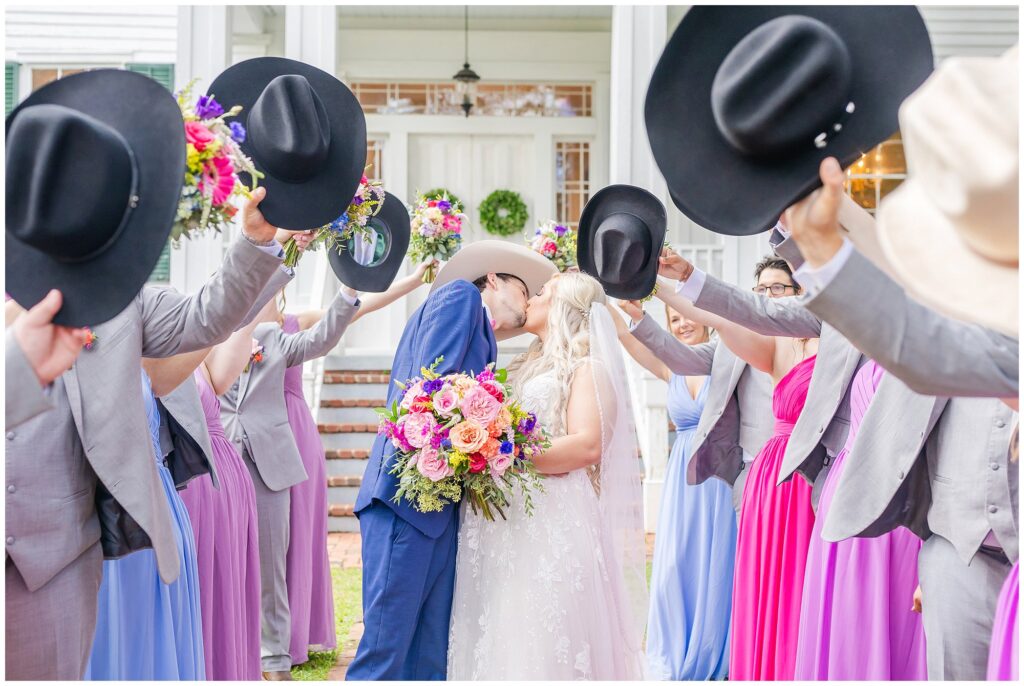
point(274, 249)
point(691, 288)
point(815, 280)
point(348, 297)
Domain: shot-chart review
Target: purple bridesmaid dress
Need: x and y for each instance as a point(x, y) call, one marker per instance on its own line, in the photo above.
point(856, 621)
point(310, 595)
point(227, 544)
point(1003, 658)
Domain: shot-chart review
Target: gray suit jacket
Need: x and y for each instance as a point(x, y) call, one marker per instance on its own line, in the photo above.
point(25, 398)
point(737, 415)
point(821, 431)
point(931, 353)
point(932, 465)
point(98, 427)
point(253, 409)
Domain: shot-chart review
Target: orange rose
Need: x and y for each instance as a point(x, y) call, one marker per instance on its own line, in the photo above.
point(492, 430)
point(503, 420)
point(468, 436)
point(490, 449)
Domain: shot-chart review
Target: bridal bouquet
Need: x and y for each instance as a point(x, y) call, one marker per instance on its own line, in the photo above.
point(213, 161)
point(436, 231)
point(556, 242)
point(462, 435)
point(367, 202)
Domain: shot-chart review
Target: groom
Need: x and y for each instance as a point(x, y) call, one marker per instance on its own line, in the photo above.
point(409, 556)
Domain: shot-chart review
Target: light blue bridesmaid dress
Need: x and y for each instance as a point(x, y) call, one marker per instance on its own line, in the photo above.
point(147, 630)
point(694, 551)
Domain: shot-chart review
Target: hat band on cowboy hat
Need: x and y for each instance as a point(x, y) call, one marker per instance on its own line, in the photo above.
point(497, 257)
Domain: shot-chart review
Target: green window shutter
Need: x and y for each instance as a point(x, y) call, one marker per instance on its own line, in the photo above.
point(162, 73)
point(10, 86)
point(162, 271)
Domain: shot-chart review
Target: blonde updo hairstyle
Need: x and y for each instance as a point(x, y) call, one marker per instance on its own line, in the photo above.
point(566, 342)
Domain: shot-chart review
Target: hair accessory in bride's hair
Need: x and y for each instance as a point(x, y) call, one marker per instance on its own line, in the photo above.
point(585, 315)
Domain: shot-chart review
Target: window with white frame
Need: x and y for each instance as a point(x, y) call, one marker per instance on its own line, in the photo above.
point(494, 99)
point(877, 173)
point(375, 159)
point(572, 180)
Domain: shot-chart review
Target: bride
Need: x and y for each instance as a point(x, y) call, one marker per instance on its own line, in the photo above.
point(561, 594)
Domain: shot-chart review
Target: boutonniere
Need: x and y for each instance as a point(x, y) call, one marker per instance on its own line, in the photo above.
point(255, 357)
point(90, 339)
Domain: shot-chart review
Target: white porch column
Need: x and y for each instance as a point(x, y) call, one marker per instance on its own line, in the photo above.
point(204, 51)
point(638, 37)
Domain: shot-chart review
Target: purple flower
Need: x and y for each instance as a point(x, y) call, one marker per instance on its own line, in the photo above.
point(433, 386)
point(527, 425)
point(237, 132)
point(208, 108)
point(506, 447)
point(560, 230)
point(446, 444)
point(435, 441)
point(358, 200)
point(444, 205)
point(338, 225)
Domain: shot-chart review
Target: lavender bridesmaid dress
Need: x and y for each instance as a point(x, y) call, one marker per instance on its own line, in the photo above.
point(227, 543)
point(310, 595)
point(855, 620)
point(1003, 658)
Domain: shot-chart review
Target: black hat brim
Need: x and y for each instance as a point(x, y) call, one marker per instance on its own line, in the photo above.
point(641, 204)
point(393, 221)
point(148, 117)
point(322, 198)
point(724, 191)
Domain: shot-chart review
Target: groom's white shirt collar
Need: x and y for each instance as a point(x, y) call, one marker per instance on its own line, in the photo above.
point(487, 311)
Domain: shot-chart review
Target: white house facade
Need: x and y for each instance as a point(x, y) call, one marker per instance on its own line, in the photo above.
point(558, 114)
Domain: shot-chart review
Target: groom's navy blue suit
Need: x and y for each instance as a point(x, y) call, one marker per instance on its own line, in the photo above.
point(409, 556)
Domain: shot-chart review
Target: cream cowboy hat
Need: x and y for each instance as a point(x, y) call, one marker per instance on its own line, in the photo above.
point(484, 257)
point(950, 230)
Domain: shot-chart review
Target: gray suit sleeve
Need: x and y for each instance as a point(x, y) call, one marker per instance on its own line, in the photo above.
point(931, 353)
point(682, 359)
point(766, 316)
point(279, 280)
point(319, 339)
point(173, 323)
point(787, 249)
point(24, 397)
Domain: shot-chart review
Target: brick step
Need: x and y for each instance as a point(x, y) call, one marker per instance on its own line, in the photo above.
point(357, 454)
point(357, 377)
point(341, 510)
point(337, 481)
point(351, 402)
point(346, 428)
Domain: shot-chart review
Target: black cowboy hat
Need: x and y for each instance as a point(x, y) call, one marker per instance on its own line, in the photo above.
point(391, 224)
point(622, 230)
point(95, 165)
point(305, 132)
point(745, 102)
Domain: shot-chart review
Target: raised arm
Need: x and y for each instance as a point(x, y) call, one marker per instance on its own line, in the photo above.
point(324, 335)
point(372, 302)
point(226, 361)
point(581, 445)
point(931, 353)
point(638, 351)
point(167, 373)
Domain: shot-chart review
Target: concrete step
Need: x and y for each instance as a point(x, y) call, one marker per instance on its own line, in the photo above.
point(353, 391)
point(342, 495)
point(347, 462)
point(349, 441)
point(345, 525)
point(349, 415)
point(358, 362)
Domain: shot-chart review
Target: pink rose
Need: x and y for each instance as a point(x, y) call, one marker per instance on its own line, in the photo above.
point(431, 465)
point(411, 393)
point(494, 388)
point(501, 463)
point(198, 135)
point(446, 401)
point(479, 406)
point(468, 437)
point(418, 427)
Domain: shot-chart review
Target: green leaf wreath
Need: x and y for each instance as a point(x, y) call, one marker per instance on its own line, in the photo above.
point(503, 213)
point(443, 194)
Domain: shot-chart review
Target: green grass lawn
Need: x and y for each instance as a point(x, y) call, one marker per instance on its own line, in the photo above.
point(347, 609)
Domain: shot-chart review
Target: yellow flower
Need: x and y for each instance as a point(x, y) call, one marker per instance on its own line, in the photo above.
point(457, 459)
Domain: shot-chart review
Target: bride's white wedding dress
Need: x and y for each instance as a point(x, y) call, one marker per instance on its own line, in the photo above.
point(541, 596)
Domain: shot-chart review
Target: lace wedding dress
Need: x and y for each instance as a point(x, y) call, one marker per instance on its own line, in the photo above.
point(541, 596)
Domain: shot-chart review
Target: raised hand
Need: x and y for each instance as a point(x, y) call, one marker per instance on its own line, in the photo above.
point(254, 224)
point(302, 238)
point(49, 349)
point(422, 268)
point(633, 308)
point(671, 265)
point(814, 221)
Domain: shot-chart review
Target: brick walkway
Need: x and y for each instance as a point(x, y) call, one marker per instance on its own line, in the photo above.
point(344, 551)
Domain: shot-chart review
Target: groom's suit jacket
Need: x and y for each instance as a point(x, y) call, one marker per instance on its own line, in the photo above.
point(98, 427)
point(451, 323)
point(737, 416)
point(253, 409)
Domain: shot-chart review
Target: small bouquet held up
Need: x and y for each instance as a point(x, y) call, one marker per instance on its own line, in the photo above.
point(556, 242)
point(462, 435)
point(436, 231)
point(213, 161)
point(367, 202)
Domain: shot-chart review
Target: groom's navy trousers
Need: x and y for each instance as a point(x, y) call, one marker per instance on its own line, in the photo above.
point(409, 556)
